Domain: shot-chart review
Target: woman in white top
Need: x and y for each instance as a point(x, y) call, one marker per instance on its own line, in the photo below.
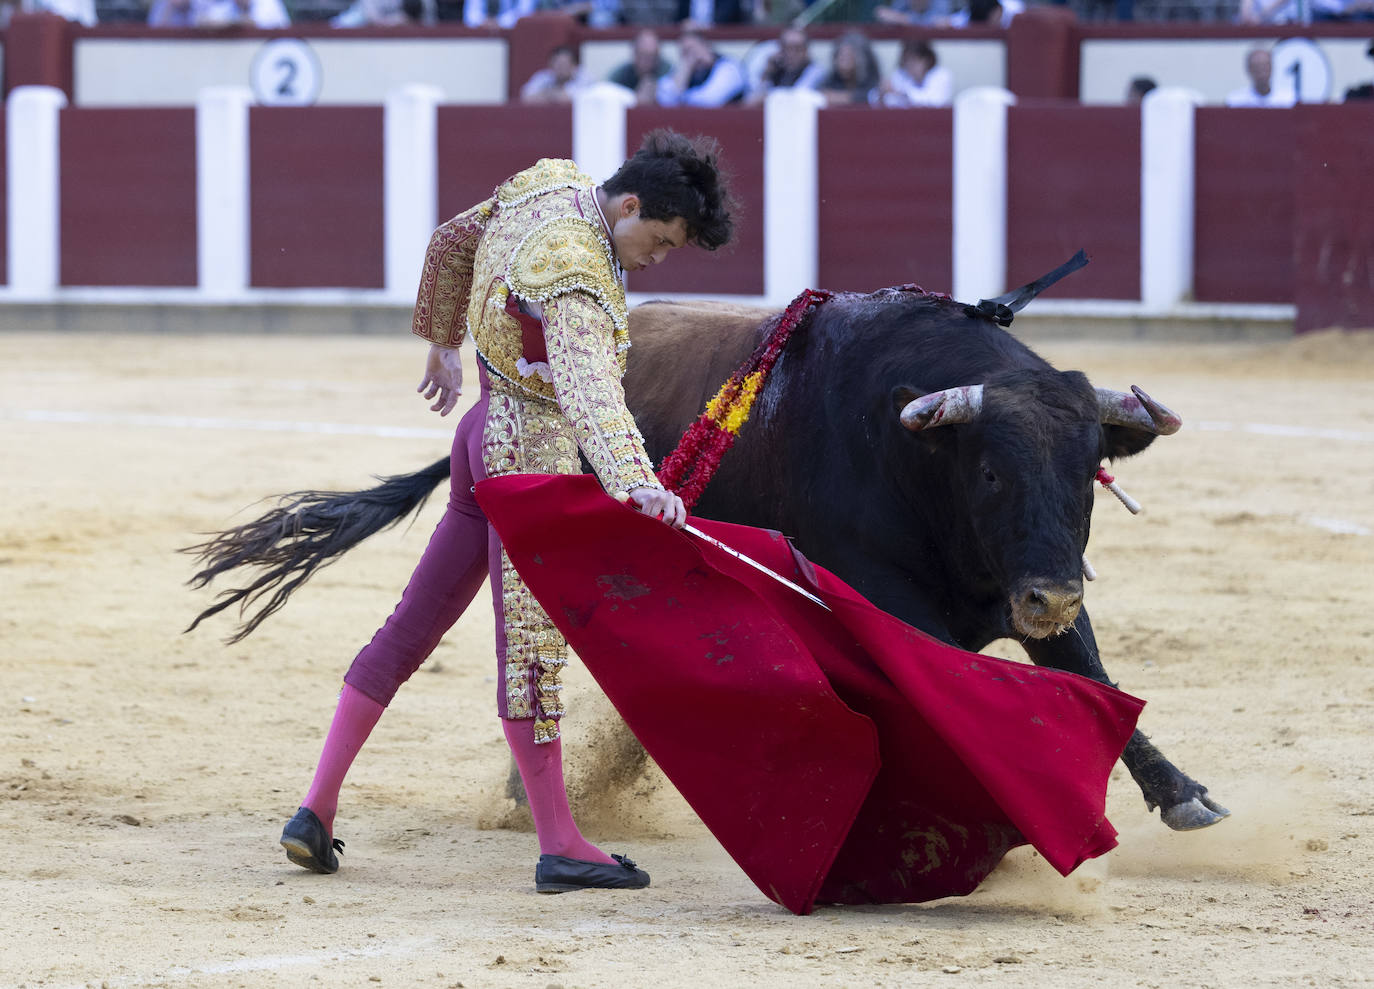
point(917, 80)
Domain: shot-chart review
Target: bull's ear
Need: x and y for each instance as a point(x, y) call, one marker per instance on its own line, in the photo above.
point(1123, 441)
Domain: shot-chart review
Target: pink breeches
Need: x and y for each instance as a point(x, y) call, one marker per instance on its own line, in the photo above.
point(463, 552)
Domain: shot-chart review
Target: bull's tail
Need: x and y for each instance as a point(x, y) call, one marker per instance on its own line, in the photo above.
point(307, 530)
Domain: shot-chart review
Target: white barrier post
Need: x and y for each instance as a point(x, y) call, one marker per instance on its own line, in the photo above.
point(980, 192)
point(1166, 197)
point(410, 168)
point(791, 193)
point(599, 129)
point(222, 207)
point(33, 188)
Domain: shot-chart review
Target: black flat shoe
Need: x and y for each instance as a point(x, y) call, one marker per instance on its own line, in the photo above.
point(307, 843)
point(556, 874)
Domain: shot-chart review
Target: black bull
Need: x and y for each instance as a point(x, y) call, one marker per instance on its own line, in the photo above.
point(906, 443)
point(971, 531)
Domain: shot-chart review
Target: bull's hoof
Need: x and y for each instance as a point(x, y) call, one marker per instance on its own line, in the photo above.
point(1200, 812)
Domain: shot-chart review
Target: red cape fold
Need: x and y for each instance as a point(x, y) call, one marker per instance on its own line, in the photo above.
point(840, 756)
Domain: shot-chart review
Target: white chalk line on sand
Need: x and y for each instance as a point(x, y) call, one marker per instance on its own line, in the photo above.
point(71, 417)
point(1293, 432)
point(68, 417)
point(271, 963)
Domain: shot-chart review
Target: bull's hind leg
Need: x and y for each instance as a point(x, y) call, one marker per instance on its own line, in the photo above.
point(1182, 801)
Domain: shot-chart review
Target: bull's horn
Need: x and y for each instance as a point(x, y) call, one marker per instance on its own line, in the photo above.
point(943, 408)
point(1141, 412)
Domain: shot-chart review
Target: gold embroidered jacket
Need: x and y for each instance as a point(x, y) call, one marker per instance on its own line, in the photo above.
point(539, 241)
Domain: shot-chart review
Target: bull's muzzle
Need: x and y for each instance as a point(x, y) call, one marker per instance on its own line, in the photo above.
point(1041, 608)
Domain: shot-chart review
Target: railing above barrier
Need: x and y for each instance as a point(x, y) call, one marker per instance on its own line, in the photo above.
point(1046, 52)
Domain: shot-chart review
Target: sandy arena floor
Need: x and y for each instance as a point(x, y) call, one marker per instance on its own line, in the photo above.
point(145, 774)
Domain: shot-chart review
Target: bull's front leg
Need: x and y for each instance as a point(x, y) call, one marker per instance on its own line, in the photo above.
point(1183, 802)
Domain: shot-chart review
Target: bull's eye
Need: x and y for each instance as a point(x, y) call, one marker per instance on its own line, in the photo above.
point(989, 474)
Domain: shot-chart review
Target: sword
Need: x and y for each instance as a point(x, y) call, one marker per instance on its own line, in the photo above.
point(755, 564)
point(625, 499)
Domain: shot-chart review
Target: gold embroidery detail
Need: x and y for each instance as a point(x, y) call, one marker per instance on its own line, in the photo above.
point(543, 176)
point(583, 363)
point(441, 304)
point(542, 247)
point(525, 435)
point(539, 245)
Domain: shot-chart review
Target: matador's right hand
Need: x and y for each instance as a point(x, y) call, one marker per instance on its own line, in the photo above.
point(443, 377)
point(658, 504)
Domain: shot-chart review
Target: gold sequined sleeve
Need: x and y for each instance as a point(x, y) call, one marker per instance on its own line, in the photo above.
point(578, 335)
point(441, 306)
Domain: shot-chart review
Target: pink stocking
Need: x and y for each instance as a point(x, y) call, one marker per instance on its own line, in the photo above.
point(354, 720)
point(541, 769)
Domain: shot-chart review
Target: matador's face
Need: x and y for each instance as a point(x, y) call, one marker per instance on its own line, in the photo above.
point(640, 243)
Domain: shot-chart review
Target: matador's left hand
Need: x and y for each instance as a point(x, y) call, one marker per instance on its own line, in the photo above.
point(443, 377)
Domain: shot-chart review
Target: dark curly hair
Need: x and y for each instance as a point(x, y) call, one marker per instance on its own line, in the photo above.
point(678, 176)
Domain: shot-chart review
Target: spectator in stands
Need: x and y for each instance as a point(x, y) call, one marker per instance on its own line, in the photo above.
point(704, 13)
point(1364, 91)
point(172, 13)
point(918, 79)
point(853, 75)
point(557, 82)
point(640, 75)
point(1343, 10)
point(789, 66)
point(930, 13)
point(267, 14)
point(1267, 11)
point(703, 76)
point(386, 13)
point(80, 11)
point(1138, 87)
point(593, 13)
point(1288, 11)
point(987, 13)
point(1259, 66)
point(648, 13)
point(496, 13)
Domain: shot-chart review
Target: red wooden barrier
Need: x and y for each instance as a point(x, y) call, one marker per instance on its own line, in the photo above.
point(1243, 223)
point(128, 197)
point(482, 146)
point(38, 51)
point(737, 268)
point(886, 188)
point(316, 201)
point(1043, 44)
point(1334, 235)
point(1073, 181)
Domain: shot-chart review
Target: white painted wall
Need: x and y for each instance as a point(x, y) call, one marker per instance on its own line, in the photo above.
point(157, 72)
point(1213, 66)
point(973, 63)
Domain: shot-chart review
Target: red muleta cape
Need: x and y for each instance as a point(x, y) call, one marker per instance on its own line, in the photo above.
point(839, 757)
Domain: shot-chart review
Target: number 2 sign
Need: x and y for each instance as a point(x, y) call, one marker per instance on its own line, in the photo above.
point(285, 72)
